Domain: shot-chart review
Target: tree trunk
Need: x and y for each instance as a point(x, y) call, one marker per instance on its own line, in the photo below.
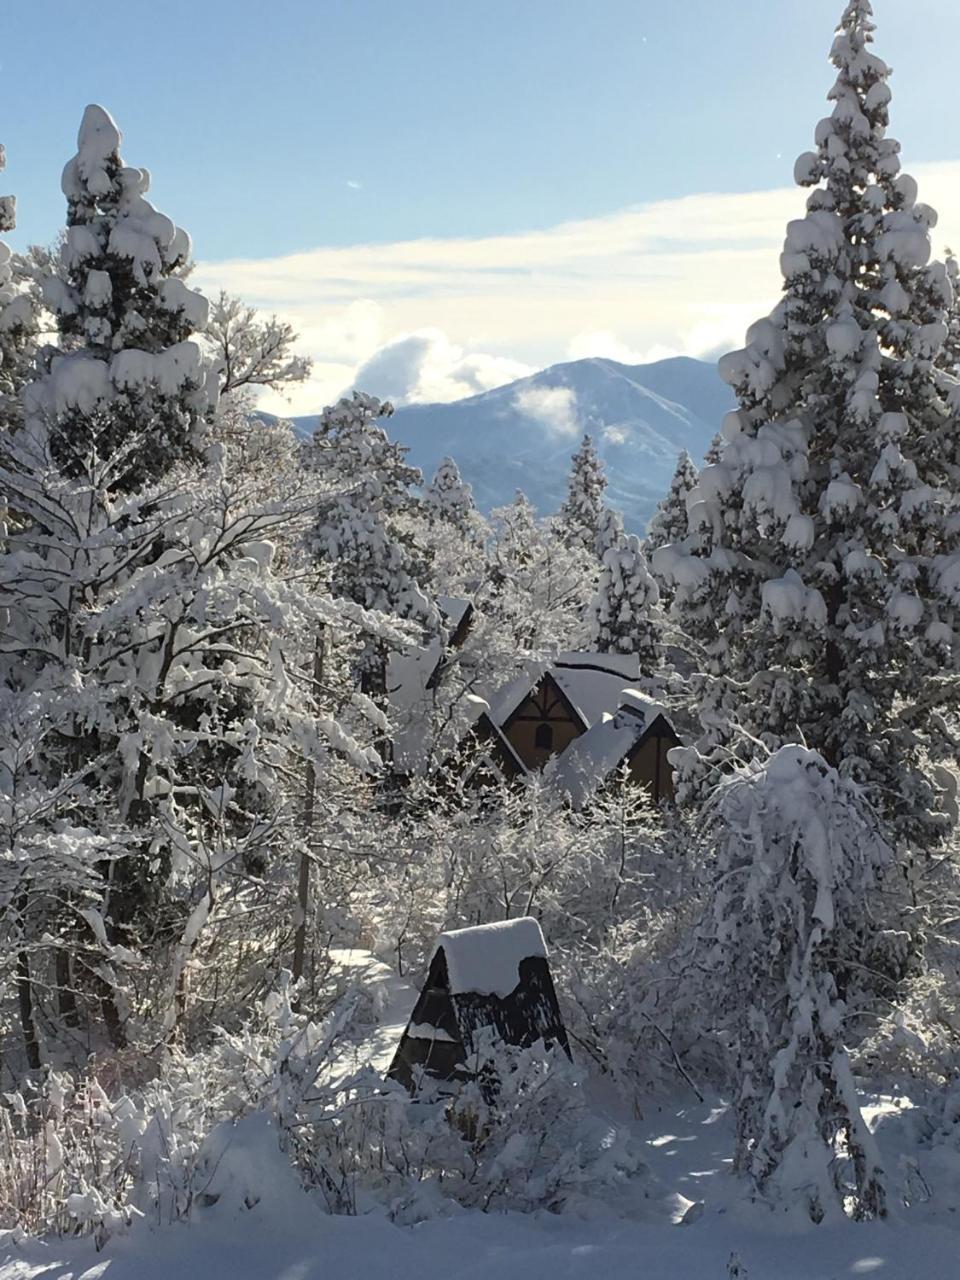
point(25, 999)
point(309, 809)
point(66, 996)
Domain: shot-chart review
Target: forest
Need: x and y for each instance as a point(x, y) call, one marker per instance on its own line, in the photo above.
point(278, 712)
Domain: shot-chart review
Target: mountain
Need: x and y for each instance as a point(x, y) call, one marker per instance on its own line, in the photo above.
point(521, 436)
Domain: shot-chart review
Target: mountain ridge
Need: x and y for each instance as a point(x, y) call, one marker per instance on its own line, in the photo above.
point(522, 434)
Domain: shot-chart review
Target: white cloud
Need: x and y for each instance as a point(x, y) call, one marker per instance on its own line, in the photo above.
point(616, 435)
point(679, 276)
point(427, 366)
point(553, 407)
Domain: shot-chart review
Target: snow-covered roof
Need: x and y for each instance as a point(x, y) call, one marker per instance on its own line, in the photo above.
point(408, 676)
point(409, 693)
point(454, 610)
point(508, 697)
point(485, 959)
point(594, 681)
point(590, 759)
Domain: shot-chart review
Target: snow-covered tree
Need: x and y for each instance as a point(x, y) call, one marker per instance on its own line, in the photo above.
point(799, 857)
point(538, 580)
point(669, 521)
point(610, 531)
point(624, 617)
point(811, 586)
point(950, 355)
point(130, 385)
point(360, 532)
point(448, 496)
point(250, 352)
point(714, 449)
point(582, 510)
point(17, 322)
point(144, 602)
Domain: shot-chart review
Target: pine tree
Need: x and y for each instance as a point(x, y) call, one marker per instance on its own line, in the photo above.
point(950, 356)
point(799, 862)
point(714, 449)
point(813, 591)
point(448, 497)
point(146, 623)
point(582, 511)
point(624, 617)
point(129, 385)
point(610, 532)
point(669, 523)
point(18, 323)
point(360, 534)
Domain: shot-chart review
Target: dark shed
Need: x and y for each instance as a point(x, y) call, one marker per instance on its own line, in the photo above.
point(492, 976)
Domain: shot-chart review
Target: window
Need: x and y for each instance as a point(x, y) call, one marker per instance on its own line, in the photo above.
point(544, 737)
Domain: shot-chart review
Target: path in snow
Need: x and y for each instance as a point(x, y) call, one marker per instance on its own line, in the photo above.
point(392, 999)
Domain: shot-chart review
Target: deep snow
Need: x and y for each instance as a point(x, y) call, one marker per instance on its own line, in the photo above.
point(688, 1218)
point(286, 1237)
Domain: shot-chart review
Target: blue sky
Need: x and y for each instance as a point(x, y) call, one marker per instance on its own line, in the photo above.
point(279, 127)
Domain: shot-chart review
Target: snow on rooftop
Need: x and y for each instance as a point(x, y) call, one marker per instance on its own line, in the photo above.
point(623, 664)
point(485, 960)
point(595, 682)
point(590, 759)
point(411, 703)
point(454, 610)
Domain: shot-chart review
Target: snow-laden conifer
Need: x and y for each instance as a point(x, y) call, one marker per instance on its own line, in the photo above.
point(624, 617)
point(610, 531)
point(809, 584)
point(669, 521)
point(582, 510)
point(799, 859)
point(363, 533)
point(17, 321)
point(448, 496)
point(130, 384)
point(148, 604)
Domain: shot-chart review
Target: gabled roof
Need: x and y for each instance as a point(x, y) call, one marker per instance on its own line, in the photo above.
point(590, 759)
point(494, 751)
point(411, 678)
point(591, 682)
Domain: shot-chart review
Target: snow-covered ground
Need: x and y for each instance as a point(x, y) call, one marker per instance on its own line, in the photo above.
point(287, 1237)
point(686, 1222)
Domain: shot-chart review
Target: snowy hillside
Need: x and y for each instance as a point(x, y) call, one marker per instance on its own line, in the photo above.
point(522, 435)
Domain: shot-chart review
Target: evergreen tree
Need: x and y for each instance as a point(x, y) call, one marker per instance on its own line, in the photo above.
point(582, 511)
point(360, 532)
point(714, 449)
point(623, 613)
point(610, 532)
point(448, 497)
point(151, 625)
point(669, 522)
point(812, 591)
point(950, 356)
point(128, 384)
point(18, 323)
point(798, 863)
